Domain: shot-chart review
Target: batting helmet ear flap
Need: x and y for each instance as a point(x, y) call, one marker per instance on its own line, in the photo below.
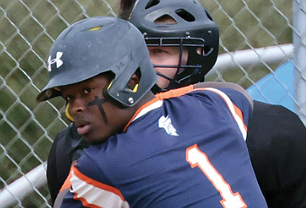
point(67, 113)
point(135, 88)
point(109, 98)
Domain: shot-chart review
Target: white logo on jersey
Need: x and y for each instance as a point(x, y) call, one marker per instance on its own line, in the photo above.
point(165, 122)
point(57, 60)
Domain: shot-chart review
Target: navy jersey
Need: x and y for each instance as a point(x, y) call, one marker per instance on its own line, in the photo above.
point(179, 150)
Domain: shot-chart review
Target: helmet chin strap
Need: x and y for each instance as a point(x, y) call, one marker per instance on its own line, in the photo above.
point(173, 83)
point(167, 78)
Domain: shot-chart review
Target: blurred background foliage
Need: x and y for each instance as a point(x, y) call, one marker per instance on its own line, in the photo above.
point(27, 31)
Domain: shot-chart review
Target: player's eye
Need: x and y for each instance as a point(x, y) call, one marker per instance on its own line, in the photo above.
point(67, 98)
point(158, 50)
point(87, 90)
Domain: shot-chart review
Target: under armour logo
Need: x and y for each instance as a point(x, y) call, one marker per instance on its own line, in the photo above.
point(165, 122)
point(57, 60)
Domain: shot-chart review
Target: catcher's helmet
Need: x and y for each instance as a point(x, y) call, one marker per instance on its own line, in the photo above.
point(193, 28)
point(96, 45)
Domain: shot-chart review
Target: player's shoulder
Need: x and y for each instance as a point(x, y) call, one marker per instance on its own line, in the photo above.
point(221, 85)
point(91, 164)
point(282, 122)
point(64, 140)
point(233, 90)
point(272, 111)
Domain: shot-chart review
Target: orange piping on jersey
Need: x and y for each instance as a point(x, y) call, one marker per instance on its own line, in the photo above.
point(137, 112)
point(161, 96)
point(237, 110)
point(174, 93)
point(239, 113)
point(67, 183)
point(96, 183)
point(179, 92)
point(85, 203)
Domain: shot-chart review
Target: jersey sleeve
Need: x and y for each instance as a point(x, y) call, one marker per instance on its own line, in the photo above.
point(238, 105)
point(240, 98)
point(229, 85)
point(241, 102)
point(87, 188)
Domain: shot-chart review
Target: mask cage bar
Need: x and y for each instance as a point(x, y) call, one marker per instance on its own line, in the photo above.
point(176, 42)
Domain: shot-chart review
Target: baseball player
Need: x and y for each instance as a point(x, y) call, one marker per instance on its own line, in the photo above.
point(276, 137)
point(182, 148)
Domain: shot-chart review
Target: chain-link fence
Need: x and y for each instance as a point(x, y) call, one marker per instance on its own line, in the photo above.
point(262, 31)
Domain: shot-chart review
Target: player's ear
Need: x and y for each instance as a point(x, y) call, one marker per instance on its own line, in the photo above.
point(200, 51)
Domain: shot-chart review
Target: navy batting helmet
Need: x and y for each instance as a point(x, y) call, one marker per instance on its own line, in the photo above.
point(194, 28)
point(97, 45)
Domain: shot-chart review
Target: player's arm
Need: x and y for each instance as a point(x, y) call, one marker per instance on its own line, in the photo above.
point(229, 85)
point(86, 186)
point(277, 142)
point(237, 99)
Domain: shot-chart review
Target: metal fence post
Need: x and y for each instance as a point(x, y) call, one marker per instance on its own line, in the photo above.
point(299, 42)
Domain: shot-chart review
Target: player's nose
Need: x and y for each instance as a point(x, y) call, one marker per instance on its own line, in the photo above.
point(76, 106)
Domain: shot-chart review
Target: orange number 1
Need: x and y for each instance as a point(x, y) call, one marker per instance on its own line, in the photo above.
point(196, 157)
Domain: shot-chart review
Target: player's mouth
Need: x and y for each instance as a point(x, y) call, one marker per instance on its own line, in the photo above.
point(83, 128)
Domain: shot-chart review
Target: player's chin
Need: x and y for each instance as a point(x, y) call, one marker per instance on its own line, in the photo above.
point(163, 83)
point(94, 138)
